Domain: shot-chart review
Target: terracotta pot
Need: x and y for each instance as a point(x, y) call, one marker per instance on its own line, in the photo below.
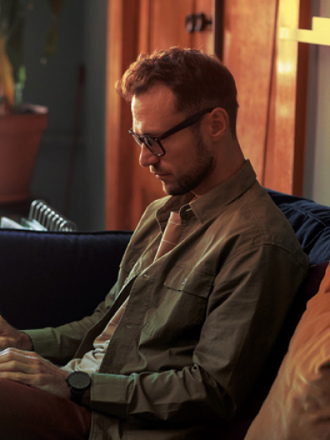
point(20, 136)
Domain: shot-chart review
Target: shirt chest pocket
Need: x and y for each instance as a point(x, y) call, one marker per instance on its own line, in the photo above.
point(190, 281)
point(179, 305)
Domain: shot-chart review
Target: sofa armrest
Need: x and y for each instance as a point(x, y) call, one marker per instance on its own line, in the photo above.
point(50, 278)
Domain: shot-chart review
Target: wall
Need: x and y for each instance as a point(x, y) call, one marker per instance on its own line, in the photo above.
point(94, 37)
point(317, 174)
point(81, 41)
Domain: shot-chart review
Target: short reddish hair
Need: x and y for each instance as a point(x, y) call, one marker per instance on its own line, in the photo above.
point(197, 80)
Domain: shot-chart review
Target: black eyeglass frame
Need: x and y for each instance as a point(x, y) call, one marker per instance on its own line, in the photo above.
point(141, 139)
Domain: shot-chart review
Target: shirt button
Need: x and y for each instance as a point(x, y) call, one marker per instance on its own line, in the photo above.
point(183, 283)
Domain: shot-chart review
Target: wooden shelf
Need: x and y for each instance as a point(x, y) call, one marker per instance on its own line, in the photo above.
point(319, 34)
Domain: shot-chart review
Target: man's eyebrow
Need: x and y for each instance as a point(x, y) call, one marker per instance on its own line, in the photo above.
point(150, 134)
point(146, 134)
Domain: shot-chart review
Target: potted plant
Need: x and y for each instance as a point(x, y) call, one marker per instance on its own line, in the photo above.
point(21, 125)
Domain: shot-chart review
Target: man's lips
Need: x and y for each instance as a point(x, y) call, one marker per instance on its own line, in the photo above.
point(159, 175)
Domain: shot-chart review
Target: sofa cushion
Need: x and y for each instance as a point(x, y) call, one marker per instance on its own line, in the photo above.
point(298, 405)
point(311, 223)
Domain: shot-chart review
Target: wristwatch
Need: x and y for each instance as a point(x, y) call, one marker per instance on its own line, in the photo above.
point(78, 382)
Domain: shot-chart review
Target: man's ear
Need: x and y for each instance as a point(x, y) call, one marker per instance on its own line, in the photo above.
point(219, 122)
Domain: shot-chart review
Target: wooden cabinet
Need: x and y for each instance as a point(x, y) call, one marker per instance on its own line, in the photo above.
point(271, 77)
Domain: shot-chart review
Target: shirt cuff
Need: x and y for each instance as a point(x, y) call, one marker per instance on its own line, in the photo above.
point(109, 393)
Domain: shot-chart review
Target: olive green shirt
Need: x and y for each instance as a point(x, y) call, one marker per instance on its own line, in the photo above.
point(200, 321)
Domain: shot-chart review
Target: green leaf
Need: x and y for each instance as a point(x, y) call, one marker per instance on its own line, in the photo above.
point(13, 26)
point(50, 46)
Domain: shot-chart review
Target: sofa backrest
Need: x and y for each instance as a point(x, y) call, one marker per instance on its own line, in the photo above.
point(50, 278)
point(311, 223)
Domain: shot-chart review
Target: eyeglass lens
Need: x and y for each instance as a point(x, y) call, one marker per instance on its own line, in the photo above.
point(149, 142)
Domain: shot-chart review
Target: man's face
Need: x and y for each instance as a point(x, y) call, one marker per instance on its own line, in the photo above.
point(188, 161)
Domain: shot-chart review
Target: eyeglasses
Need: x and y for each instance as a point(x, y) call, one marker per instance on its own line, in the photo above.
point(154, 144)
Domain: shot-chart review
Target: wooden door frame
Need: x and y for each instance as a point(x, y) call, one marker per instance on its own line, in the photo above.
point(122, 44)
point(285, 144)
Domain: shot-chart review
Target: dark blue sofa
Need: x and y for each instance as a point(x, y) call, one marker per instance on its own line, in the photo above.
point(50, 278)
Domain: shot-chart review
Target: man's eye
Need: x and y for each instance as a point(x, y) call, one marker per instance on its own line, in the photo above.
point(149, 141)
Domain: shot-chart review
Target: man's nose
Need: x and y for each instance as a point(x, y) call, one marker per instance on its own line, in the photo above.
point(146, 157)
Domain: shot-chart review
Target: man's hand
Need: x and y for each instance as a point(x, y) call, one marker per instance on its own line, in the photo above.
point(10, 337)
point(31, 369)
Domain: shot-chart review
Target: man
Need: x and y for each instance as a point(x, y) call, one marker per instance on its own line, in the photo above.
point(203, 288)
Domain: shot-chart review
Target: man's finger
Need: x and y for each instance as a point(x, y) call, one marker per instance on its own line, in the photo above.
point(17, 360)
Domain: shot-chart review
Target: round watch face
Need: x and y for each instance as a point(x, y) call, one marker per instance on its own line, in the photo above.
point(79, 380)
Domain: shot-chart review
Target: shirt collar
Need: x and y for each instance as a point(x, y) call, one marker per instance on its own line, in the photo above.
point(218, 198)
point(214, 201)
